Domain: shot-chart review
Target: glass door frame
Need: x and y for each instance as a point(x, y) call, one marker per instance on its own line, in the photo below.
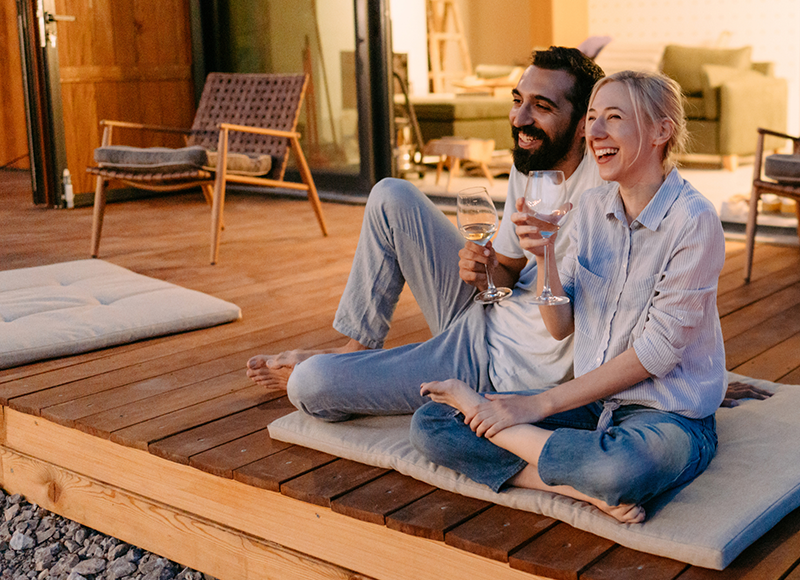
point(373, 57)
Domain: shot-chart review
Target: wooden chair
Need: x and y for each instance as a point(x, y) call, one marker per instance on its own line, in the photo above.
point(762, 186)
point(254, 114)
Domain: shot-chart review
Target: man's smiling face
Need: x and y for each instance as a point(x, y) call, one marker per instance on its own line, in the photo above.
point(542, 122)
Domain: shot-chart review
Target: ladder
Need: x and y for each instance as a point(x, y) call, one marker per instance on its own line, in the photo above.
point(444, 26)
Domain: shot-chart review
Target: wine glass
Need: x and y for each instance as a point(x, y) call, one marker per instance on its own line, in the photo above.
point(546, 203)
point(477, 222)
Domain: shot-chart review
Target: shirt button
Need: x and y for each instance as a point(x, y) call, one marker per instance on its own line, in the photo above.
point(599, 359)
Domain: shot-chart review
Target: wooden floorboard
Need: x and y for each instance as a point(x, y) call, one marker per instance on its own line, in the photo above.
point(184, 400)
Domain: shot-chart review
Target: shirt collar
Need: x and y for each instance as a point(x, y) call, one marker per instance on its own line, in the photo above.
point(655, 211)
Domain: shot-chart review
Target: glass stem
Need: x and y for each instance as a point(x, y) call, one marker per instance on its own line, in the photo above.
point(546, 293)
point(492, 288)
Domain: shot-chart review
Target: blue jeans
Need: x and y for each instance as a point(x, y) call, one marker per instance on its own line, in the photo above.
point(644, 453)
point(404, 239)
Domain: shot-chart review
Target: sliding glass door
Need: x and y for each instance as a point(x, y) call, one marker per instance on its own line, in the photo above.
point(341, 45)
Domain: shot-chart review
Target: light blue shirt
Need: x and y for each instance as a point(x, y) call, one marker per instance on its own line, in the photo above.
point(650, 285)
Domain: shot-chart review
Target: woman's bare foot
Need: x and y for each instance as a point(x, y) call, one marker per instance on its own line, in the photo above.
point(273, 370)
point(452, 392)
point(626, 513)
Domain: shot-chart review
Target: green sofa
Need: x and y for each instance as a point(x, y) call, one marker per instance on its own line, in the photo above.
point(728, 98)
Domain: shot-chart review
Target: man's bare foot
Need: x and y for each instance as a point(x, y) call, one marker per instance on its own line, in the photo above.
point(452, 392)
point(273, 371)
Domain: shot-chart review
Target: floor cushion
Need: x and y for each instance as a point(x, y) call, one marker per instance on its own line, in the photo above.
point(751, 484)
point(73, 307)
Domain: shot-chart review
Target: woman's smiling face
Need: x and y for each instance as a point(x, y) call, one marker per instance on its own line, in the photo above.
point(619, 144)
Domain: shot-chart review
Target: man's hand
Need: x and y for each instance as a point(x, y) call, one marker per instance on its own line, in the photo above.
point(472, 264)
point(502, 411)
point(737, 391)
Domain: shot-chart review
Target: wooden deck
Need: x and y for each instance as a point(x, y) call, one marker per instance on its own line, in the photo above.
point(163, 443)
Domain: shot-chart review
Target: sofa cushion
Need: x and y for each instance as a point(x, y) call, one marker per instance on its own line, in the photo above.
point(783, 168)
point(714, 76)
point(684, 63)
point(150, 159)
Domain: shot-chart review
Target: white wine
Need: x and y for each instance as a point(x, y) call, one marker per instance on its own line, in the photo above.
point(478, 232)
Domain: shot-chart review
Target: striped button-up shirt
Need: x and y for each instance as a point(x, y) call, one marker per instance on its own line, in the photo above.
point(650, 285)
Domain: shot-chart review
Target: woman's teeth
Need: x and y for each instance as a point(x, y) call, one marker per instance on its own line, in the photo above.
point(603, 152)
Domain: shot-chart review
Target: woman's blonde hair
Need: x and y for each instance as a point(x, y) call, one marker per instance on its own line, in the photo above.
point(655, 97)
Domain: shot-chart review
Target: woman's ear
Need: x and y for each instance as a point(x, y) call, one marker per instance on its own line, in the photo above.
point(662, 132)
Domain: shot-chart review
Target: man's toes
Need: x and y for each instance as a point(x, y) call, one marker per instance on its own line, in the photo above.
point(256, 362)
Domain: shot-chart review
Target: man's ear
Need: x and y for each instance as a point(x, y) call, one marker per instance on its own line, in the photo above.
point(581, 130)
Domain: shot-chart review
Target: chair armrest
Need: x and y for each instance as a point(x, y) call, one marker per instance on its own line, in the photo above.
point(763, 131)
point(158, 128)
point(260, 131)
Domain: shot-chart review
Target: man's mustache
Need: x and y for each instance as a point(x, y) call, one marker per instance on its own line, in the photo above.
point(531, 131)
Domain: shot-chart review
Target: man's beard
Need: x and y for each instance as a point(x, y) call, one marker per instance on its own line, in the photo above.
point(549, 152)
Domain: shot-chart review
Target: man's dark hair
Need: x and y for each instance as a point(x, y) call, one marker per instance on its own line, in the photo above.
point(580, 66)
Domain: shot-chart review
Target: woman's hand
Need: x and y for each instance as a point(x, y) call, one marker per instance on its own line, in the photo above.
point(530, 238)
point(500, 412)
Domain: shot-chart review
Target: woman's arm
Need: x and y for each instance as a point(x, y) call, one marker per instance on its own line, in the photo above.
point(503, 411)
point(557, 319)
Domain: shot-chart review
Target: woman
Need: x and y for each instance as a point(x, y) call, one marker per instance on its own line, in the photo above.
point(641, 273)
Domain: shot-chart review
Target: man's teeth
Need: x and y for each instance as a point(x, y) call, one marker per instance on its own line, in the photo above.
point(606, 151)
point(526, 139)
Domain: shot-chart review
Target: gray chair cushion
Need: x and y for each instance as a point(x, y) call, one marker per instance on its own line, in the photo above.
point(783, 168)
point(150, 159)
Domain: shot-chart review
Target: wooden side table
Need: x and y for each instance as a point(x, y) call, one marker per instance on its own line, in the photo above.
point(453, 150)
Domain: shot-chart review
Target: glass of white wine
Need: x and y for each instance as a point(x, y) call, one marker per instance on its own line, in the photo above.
point(546, 204)
point(477, 222)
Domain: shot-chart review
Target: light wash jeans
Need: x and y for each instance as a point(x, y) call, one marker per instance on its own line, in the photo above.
point(644, 453)
point(404, 238)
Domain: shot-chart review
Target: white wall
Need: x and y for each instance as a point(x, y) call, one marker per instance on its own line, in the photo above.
point(410, 36)
point(771, 28)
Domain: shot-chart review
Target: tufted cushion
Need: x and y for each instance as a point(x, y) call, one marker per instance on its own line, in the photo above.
point(619, 55)
point(73, 307)
point(783, 168)
point(751, 484)
point(684, 63)
point(150, 159)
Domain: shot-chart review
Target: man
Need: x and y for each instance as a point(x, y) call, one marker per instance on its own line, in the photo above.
point(404, 238)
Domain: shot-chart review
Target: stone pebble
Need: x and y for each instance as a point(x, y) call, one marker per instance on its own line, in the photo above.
point(36, 544)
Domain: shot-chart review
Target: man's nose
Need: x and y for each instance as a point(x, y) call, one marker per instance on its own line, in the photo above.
point(523, 116)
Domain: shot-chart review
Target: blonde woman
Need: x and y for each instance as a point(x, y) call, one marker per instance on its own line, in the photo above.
point(641, 272)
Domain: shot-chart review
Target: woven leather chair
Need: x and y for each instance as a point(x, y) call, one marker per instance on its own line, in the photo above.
point(253, 114)
point(785, 186)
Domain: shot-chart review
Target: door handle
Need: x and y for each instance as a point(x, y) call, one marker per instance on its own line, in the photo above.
point(58, 17)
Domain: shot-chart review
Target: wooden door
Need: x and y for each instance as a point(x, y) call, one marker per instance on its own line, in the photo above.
point(126, 60)
point(13, 133)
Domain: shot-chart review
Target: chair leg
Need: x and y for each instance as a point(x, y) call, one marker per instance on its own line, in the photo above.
point(750, 233)
point(730, 162)
point(219, 195)
point(97, 214)
point(208, 193)
point(305, 175)
point(487, 173)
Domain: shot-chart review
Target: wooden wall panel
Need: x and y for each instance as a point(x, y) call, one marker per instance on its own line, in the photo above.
point(127, 60)
point(13, 129)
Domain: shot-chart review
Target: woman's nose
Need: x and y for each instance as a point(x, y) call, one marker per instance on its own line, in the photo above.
point(596, 128)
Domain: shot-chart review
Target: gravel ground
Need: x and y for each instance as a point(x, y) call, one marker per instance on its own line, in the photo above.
point(36, 544)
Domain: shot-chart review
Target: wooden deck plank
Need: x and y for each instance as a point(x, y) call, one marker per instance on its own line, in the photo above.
point(225, 459)
point(330, 481)
point(498, 531)
point(435, 514)
point(273, 471)
point(205, 438)
point(563, 553)
point(377, 499)
point(744, 319)
point(761, 337)
point(754, 291)
point(626, 564)
point(142, 434)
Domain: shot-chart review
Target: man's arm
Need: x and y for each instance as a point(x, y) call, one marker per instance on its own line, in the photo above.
point(472, 266)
